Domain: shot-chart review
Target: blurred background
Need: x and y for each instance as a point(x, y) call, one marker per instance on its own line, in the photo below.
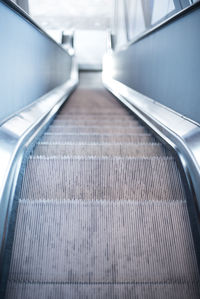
point(92, 22)
point(89, 19)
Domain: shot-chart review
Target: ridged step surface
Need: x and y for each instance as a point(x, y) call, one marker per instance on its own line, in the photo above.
point(119, 178)
point(97, 129)
point(99, 149)
point(104, 244)
point(97, 122)
point(96, 117)
point(98, 138)
point(102, 211)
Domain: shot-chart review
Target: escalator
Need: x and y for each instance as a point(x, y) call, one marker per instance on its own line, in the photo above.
point(102, 210)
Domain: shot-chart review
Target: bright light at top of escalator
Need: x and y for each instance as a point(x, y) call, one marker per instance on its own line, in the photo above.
point(76, 14)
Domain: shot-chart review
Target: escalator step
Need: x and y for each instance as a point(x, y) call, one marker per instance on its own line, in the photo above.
point(109, 178)
point(112, 149)
point(93, 102)
point(82, 110)
point(103, 291)
point(97, 129)
point(93, 111)
point(95, 137)
point(97, 122)
point(109, 246)
point(96, 117)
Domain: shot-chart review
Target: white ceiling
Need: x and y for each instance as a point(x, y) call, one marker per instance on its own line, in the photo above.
point(72, 14)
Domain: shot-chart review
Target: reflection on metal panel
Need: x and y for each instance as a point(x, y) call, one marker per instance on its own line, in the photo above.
point(136, 17)
point(165, 65)
point(161, 9)
point(23, 4)
point(121, 24)
point(31, 63)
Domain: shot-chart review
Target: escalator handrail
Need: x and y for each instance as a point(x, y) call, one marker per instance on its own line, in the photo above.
point(180, 133)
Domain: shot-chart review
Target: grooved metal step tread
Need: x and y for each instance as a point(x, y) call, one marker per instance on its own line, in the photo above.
point(119, 178)
point(100, 117)
point(97, 129)
point(96, 243)
point(97, 138)
point(83, 112)
point(134, 150)
point(97, 122)
point(90, 101)
point(104, 291)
